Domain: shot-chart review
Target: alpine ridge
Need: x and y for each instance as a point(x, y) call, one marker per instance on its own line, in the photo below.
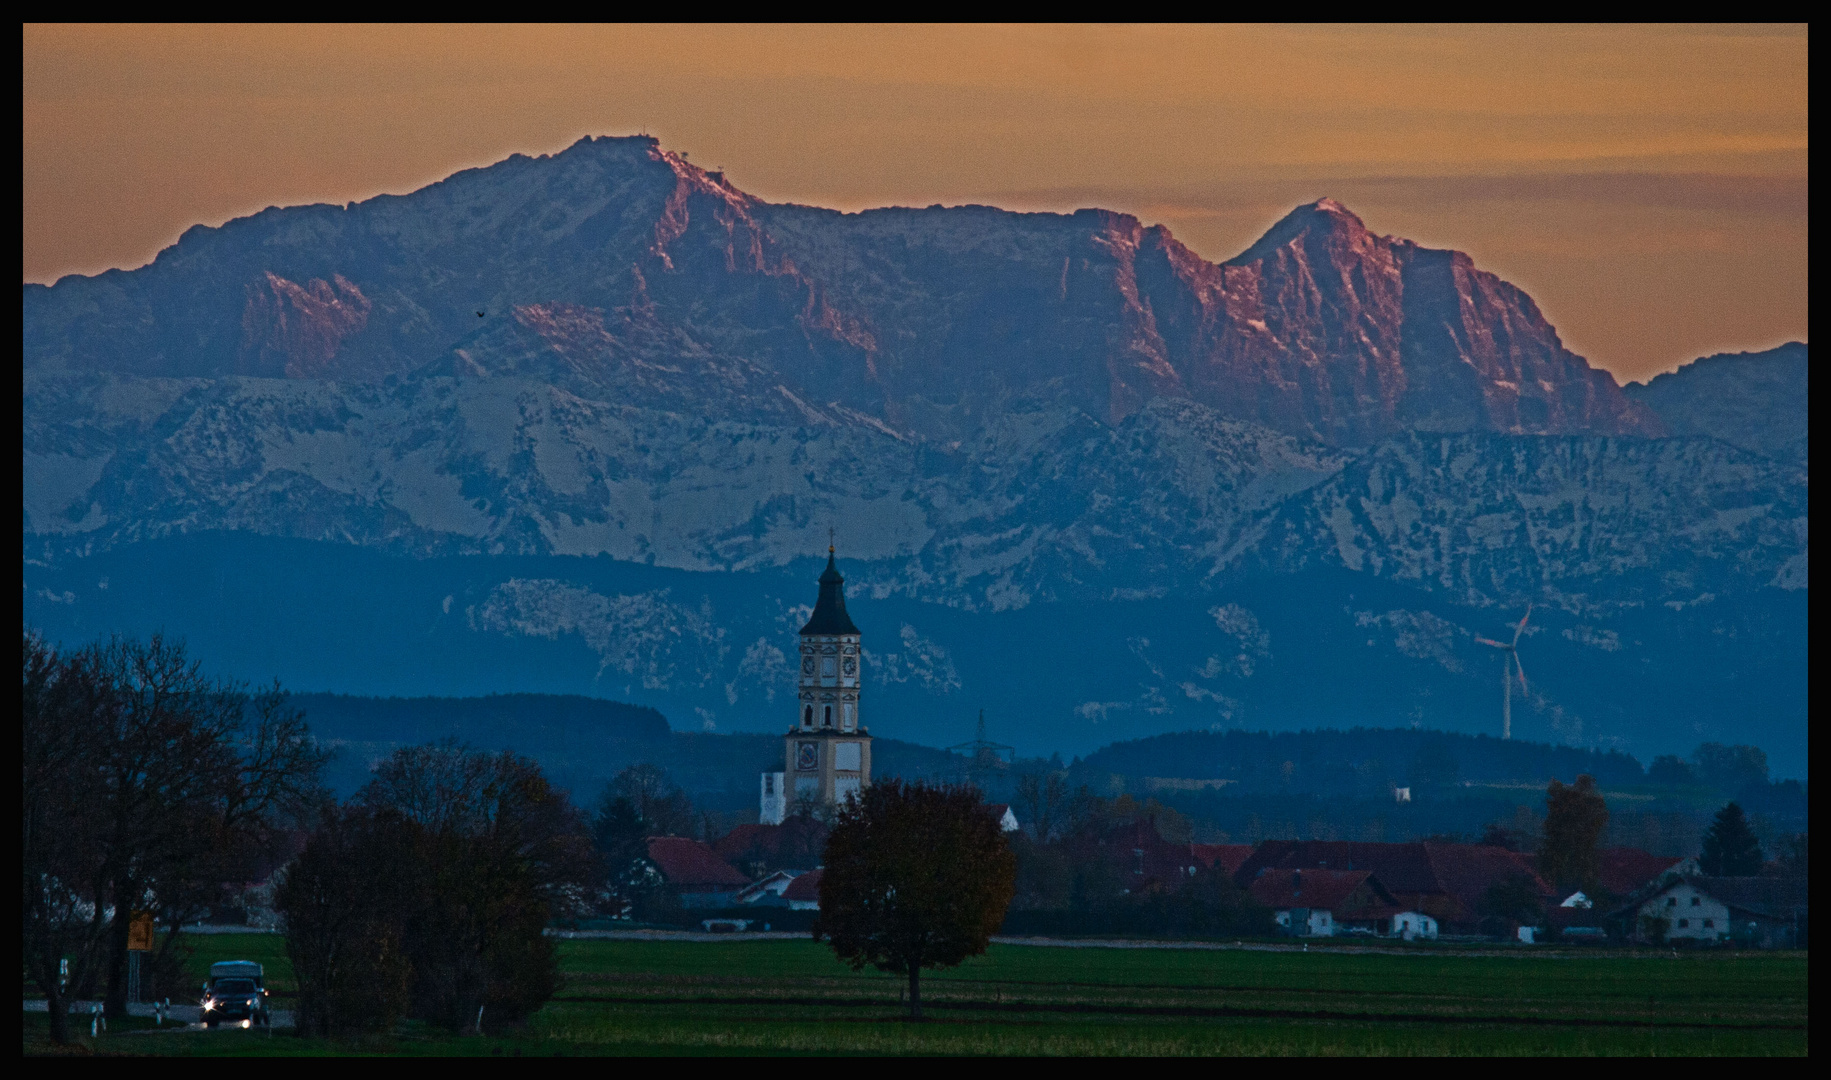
point(920, 319)
point(580, 424)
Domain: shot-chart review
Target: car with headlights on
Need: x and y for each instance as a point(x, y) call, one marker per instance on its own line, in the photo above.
point(235, 994)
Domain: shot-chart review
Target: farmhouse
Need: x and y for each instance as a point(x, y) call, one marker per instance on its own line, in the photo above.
point(1314, 903)
point(1625, 871)
point(1442, 882)
point(767, 891)
point(803, 893)
point(1763, 912)
point(794, 845)
point(700, 878)
point(1147, 860)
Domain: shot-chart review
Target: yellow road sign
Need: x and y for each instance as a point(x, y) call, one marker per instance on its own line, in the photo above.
point(140, 932)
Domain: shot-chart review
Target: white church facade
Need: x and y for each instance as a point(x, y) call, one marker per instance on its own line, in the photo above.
point(827, 753)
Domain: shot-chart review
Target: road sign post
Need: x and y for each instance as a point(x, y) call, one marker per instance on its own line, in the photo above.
point(139, 940)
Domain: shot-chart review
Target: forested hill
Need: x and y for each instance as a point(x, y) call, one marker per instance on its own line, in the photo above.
point(580, 742)
point(1359, 761)
point(494, 719)
point(1243, 784)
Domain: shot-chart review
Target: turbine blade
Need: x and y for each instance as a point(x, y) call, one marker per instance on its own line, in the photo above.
point(1521, 668)
point(1491, 641)
point(1521, 628)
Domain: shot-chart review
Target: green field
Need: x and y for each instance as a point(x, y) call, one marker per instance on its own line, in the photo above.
point(792, 997)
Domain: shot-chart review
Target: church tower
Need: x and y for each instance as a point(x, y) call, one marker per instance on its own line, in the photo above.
point(827, 752)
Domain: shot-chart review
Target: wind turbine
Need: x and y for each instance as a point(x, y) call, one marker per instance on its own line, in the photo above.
point(1509, 664)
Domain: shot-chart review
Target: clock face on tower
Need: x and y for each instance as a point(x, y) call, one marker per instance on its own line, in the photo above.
point(807, 665)
point(851, 666)
point(807, 756)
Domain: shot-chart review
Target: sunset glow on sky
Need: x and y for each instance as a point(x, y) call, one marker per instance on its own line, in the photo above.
point(1647, 185)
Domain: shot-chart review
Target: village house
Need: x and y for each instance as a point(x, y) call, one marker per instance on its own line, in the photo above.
point(803, 893)
point(1146, 860)
point(767, 891)
point(1444, 883)
point(700, 878)
point(794, 845)
point(1624, 871)
point(1759, 912)
point(1327, 903)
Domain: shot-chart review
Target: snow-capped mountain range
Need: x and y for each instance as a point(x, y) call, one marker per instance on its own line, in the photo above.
point(582, 422)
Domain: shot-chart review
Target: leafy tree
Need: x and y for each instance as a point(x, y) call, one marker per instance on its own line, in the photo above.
point(429, 895)
point(916, 876)
point(1730, 847)
point(638, 803)
point(1729, 769)
point(1512, 899)
point(1209, 903)
point(497, 852)
point(1575, 818)
point(621, 838)
point(346, 899)
point(1793, 855)
point(1671, 771)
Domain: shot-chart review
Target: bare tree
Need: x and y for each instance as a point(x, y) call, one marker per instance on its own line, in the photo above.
point(61, 853)
point(662, 806)
point(1042, 799)
point(177, 772)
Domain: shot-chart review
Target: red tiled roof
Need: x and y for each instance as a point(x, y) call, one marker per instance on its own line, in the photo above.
point(688, 863)
point(1228, 857)
point(805, 887)
point(1623, 870)
point(1468, 871)
point(1768, 897)
point(1402, 868)
point(1457, 874)
point(1324, 889)
point(747, 838)
point(795, 843)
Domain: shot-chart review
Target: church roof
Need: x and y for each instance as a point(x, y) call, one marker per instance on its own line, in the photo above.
point(830, 610)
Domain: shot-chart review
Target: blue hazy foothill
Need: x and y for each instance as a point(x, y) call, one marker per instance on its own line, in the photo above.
point(1319, 648)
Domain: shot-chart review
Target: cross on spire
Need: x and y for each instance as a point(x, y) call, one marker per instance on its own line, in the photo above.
point(829, 540)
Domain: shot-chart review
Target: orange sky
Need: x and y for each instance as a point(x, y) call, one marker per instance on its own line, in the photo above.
point(1646, 184)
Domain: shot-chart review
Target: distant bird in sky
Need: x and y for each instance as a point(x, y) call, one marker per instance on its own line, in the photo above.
point(479, 314)
point(1509, 665)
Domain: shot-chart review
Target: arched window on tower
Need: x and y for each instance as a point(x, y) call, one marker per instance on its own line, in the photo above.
point(827, 721)
point(807, 716)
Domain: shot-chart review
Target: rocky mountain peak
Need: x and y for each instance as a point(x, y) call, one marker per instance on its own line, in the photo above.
point(928, 321)
point(1324, 221)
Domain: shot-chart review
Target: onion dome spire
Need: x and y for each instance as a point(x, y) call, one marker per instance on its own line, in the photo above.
point(830, 616)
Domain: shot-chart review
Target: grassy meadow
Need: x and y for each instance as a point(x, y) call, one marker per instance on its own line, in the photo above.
point(792, 997)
